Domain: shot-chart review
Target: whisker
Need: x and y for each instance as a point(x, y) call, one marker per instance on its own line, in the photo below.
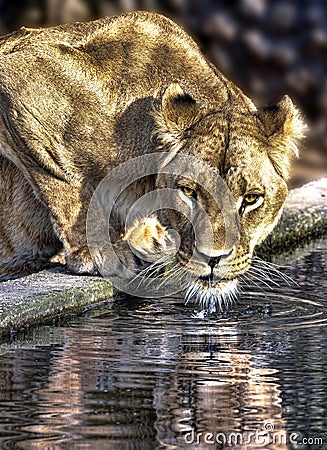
point(172, 271)
point(152, 268)
point(191, 290)
point(252, 282)
point(212, 298)
point(172, 274)
point(263, 278)
point(273, 269)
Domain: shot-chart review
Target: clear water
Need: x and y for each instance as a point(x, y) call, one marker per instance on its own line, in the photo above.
point(141, 374)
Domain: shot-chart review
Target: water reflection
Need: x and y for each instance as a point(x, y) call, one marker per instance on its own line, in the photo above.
point(139, 374)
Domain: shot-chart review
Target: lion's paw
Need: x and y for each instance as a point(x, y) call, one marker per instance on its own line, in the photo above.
point(150, 240)
point(80, 262)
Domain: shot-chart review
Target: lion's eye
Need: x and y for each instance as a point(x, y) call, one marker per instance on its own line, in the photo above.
point(188, 191)
point(251, 201)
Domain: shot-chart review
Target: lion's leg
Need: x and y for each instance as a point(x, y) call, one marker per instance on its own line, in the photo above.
point(27, 238)
point(64, 197)
point(68, 203)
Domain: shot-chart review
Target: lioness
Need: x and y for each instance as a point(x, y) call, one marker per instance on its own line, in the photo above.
point(79, 100)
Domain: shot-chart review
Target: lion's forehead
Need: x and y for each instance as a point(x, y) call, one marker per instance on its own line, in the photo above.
point(241, 174)
point(233, 137)
point(257, 176)
point(248, 168)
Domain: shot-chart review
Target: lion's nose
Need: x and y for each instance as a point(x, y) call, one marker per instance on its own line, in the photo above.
point(214, 261)
point(213, 257)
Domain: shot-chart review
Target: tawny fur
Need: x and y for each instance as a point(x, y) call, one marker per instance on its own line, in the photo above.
point(79, 99)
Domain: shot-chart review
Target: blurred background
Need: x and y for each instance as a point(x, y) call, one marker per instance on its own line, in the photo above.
point(267, 47)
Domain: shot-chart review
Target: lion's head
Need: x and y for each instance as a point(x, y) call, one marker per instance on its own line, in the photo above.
point(224, 174)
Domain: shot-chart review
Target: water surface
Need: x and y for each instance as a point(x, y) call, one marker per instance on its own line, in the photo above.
point(142, 374)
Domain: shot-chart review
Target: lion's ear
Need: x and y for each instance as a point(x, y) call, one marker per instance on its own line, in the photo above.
point(284, 128)
point(179, 110)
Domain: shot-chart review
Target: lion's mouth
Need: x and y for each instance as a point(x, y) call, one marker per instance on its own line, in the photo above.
point(213, 296)
point(211, 280)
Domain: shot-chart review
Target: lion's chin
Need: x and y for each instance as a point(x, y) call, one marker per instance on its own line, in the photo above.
point(213, 298)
